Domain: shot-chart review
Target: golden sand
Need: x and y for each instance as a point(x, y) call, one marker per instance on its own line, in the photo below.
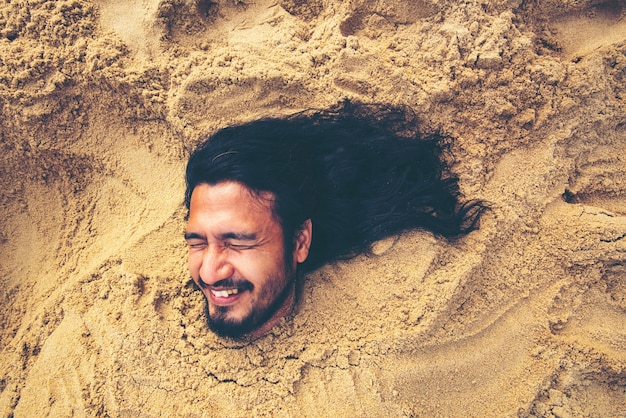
point(101, 102)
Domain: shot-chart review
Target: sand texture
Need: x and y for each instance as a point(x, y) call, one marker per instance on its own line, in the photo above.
point(101, 102)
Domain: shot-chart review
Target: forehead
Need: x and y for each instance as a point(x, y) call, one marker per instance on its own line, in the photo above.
point(229, 204)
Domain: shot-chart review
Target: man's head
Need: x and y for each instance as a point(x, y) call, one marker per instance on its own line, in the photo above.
point(249, 225)
point(238, 257)
point(326, 184)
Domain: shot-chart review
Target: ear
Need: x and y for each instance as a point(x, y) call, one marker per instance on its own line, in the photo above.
point(303, 241)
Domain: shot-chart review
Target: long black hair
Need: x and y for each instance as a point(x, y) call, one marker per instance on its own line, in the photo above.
point(359, 172)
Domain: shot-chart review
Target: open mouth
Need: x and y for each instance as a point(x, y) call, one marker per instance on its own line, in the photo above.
point(224, 293)
point(227, 294)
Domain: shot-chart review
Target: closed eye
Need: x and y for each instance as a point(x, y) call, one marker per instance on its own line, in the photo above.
point(239, 241)
point(195, 241)
point(236, 246)
point(196, 245)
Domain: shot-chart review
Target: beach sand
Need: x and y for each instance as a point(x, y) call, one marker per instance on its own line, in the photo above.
point(101, 103)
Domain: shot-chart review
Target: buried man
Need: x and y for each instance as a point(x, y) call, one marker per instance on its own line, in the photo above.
point(271, 199)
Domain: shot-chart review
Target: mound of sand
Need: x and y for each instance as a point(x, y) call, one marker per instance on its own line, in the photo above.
point(101, 102)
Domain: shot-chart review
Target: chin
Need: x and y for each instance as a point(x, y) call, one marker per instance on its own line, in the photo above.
point(228, 325)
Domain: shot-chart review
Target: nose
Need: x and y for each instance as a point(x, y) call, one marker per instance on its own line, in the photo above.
point(215, 266)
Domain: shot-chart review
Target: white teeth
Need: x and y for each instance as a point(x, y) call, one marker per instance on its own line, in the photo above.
point(224, 293)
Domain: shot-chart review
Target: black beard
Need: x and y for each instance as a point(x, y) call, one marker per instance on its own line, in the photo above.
point(237, 329)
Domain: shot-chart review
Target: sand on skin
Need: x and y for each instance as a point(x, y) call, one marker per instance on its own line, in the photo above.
point(101, 103)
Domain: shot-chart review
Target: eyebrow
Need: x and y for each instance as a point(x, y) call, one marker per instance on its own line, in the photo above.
point(239, 236)
point(192, 235)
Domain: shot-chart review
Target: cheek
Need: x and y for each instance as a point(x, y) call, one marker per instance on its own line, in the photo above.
point(193, 264)
point(256, 270)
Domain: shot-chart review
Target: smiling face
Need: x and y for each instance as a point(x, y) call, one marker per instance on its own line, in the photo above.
point(237, 258)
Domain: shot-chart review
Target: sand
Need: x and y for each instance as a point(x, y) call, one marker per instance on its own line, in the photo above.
point(101, 102)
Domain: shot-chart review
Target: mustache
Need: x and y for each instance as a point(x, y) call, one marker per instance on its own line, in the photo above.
point(227, 283)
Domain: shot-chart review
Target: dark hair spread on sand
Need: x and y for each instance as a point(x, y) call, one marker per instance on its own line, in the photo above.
point(359, 172)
